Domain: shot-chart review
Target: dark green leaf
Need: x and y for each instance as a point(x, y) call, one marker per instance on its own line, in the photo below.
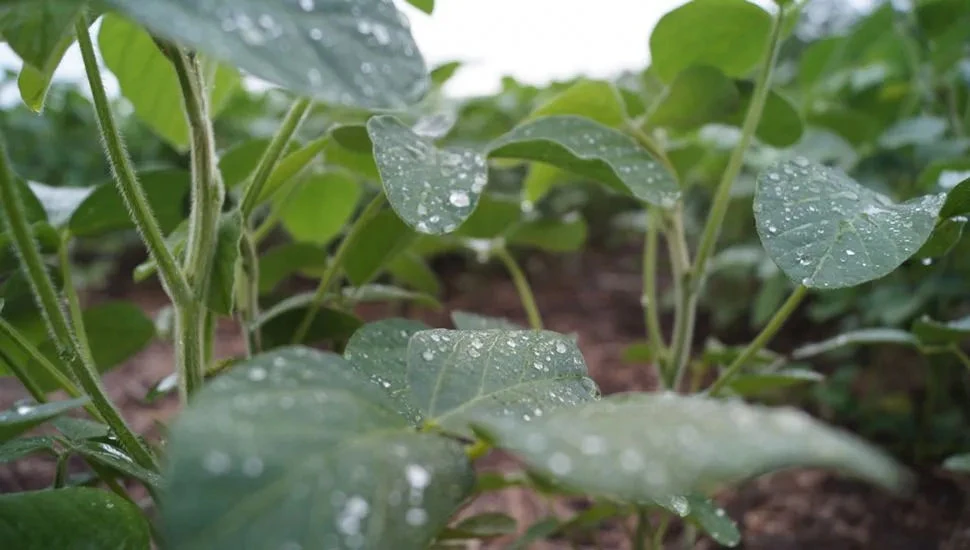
point(412, 271)
point(689, 444)
point(280, 323)
point(862, 337)
point(590, 149)
point(957, 200)
point(780, 125)
point(239, 161)
point(698, 95)
point(15, 449)
point(236, 479)
point(20, 418)
point(596, 100)
point(494, 217)
point(384, 237)
point(104, 211)
point(946, 235)
point(826, 231)
point(84, 518)
point(282, 261)
point(936, 333)
point(356, 54)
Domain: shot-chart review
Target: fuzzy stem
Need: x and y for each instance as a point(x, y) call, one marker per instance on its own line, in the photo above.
point(761, 340)
point(10, 333)
point(273, 154)
point(522, 285)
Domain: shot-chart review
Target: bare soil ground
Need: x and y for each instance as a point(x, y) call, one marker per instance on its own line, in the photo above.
point(596, 294)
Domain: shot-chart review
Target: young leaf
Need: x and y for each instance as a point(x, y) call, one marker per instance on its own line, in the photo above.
point(280, 322)
point(860, 337)
point(459, 376)
point(730, 35)
point(358, 54)
point(427, 6)
point(85, 518)
point(382, 239)
point(433, 190)
point(826, 231)
point(689, 444)
point(596, 100)
point(147, 79)
point(592, 150)
point(236, 479)
point(319, 208)
point(20, 418)
point(936, 333)
point(706, 515)
point(104, 211)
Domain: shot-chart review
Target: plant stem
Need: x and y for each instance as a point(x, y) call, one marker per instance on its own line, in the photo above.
point(21, 374)
point(761, 340)
point(57, 322)
point(651, 307)
point(252, 333)
point(9, 332)
point(684, 314)
point(73, 303)
point(643, 537)
point(661, 531)
point(274, 152)
point(522, 285)
point(335, 266)
point(124, 175)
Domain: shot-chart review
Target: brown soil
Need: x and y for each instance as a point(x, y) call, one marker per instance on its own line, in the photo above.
point(596, 295)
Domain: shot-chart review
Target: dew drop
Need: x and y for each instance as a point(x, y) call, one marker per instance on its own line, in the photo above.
point(459, 199)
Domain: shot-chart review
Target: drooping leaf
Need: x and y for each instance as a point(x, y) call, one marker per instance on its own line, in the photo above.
point(753, 383)
point(384, 237)
point(236, 479)
point(731, 35)
point(280, 323)
point(84, 518)
point(358, 54)
point(861, 337)
point(20, 418)
point(104, 211)
point(148, 80)
point(433, 190)
point(458, 376)
point(386, 293)
point(826, 231)
point(930, 332)
point(596, 100)
point(690, 444)
point(590, 149)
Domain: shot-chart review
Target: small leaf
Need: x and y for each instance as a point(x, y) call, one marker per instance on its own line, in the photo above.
point(79, 428)
point(84, 518)
point(705, 514)
point(111, 457)
point(358, 54)
point(958, 463)
point(236, 479)
point(860, 337)
point(281, 322)
point(537, 531)
point(104, 211)
point(284, 260)
point(690, 444)
point(441, 74)
point(482, 526)
point(730, 35)
point(760, 382)
point(957, 200)
point(464, 320)
point(930, 332)
point(387, 293)
point(20, 418)
point(592, 150)
point(433, 190)
point(291, 165)
point(15, 449)
point(427, 6)
point(318, 209)
point(596, 100)
point(223, 283)
point(379, 242)
point(459, 376)
point(238, 162)
point(826, 231)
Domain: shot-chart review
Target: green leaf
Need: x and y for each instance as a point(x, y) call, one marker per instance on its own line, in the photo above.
point(15, 449)
point(79, 428)
point(107, 455)
point(236, 479)
point(104, 211)
point(540, 179)
point(826, 231)
point(427, 6)
point(441, 74)
point(379, 242)
point(592, 150)
point(946, 236)
point(147, 79)
point(689, 444)
point(698, 95)
point(292, 164)
point(464, 320)
point(565, 235)
point(358, 54)
point(318, 209)
point(596, 100)
point(494, 217)
point(536, 532)
point(936, 333)
point(713, 521)
point(379, 351)
point(760, 382)
point(731, 35)
point(958, 463)
point(84, 518)
point(855, 126)
point(460, 376)
point(957, 200)
point(387, 293)
point(861, 337)
point(919, 130)
point(282, 261)
point(433, 190)
point(411, 270)
point(280, 323)
point(238, 162)
point(222, 286)
point(20, 418)
point(482, 526)
point(36, 32)
point(780, 125)
point(944, 173)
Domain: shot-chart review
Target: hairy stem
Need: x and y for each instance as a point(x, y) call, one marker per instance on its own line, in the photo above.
point(761, 340)
point(124, 174)
point(10, 333)
point(522, 285)
point(335, 267)
point(651, 307)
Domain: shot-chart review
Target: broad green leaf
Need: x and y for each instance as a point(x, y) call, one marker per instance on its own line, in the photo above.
point(540, 179)
point(353, 137)
point(919, 130)
point(494, 217)
point(357, 163)
point(379, 351)
point(292, 164)
point(826, 231)
point(16, 449)
point(861, 337)
point(433, 190)
point(943, 239)
point(36, 32)
point(225, 259)
point(855, 126)
point(104, 211)
point(318, 209)
point(280, 323)
point(596, 100)
point(780, 125)
point(698, 95)
point(957, 200)
point(464, 320)
point(689, 444)
point(248, 460)
point(592, 150)
point(383, 237)
point(706, 515)
point(358, 54)
point(958, 463)
point(20, 418)
point(84, 518)
point(148, 80)
point(59, 203)
point(107, 455)
point(759, 382)
point(565, 235)
point(282, 261)
point(930, 332)
point(460, 376)
point(481, 526)
point(731, 35)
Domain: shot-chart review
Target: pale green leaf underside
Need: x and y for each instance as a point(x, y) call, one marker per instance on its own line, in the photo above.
point(655, 446)
point(867, 336)
point(931, 332)
point(295, 449)
point(587, 148)
point(357, 53)
point(433, 190)
point(460, 376)
point(826, 231)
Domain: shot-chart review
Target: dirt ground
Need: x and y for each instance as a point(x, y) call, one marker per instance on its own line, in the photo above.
point(596, 295)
